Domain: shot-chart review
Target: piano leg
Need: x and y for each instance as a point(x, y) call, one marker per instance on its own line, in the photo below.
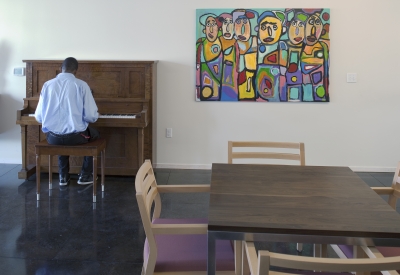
point(23, 173)
point(140, 146)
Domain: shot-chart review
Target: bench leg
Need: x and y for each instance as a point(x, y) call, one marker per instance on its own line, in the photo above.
point(37, 177)
point(103, 160)
point(94, 177)
point(50, 173)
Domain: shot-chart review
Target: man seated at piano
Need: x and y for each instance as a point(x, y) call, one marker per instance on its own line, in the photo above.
point(65, 109)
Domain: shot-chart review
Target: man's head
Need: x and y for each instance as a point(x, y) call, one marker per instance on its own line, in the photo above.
point(69, 65)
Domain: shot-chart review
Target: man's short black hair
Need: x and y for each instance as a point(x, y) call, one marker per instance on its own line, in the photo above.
point(70, 64)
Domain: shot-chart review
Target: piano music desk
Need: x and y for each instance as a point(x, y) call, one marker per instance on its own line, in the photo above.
point(94, 148)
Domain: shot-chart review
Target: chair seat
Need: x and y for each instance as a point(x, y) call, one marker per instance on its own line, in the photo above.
point(385, 251)
point(389, 251)
point(347, 250)
point(189, 252)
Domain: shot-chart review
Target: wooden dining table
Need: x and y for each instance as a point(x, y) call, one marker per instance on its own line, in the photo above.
point(299, 204)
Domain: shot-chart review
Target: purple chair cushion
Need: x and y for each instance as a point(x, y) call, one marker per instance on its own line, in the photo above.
point(189, 252)
point(347, 250)
point(389, 251)
point(385, 251)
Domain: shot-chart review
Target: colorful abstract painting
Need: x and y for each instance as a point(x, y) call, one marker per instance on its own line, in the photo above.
point(262, 55)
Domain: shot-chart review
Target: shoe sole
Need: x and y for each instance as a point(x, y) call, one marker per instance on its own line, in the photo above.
point(85, 182)
point(64, 183)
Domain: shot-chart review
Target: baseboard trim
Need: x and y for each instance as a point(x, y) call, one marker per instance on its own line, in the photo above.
point(376, 169)
point(372, 169)
point(10, 161)
point(182, 166)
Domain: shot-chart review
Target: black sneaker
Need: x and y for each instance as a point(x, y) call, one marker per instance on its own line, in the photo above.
point(64, 180)
point(85, 179)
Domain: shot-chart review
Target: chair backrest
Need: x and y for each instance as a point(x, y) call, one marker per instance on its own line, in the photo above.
point(267, 259)
point(247, 150)
point(396, 188)
point(147, 195)
point(393, 191)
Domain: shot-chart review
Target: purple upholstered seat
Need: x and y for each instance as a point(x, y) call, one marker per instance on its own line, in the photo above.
point(347, 250)
point(389, 251)
point(188, 252)
point(385, 251)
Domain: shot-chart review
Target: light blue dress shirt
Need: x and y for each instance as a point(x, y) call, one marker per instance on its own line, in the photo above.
point(66, 105)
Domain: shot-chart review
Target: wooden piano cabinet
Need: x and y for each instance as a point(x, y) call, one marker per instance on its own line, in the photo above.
point(119, 87)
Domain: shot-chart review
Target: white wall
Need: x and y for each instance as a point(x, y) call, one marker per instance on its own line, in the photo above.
point(358, 128)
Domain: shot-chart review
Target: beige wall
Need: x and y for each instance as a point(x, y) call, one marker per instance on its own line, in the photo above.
point(358, 128)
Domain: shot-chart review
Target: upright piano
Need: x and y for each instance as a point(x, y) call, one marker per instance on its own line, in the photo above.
point(124, 92)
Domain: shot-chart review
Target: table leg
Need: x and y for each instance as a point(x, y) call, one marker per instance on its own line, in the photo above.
point(320, 250)
point(211, 266)
point(359, 253)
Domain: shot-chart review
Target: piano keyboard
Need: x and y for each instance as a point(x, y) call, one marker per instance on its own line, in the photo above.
point(127, 116)
point(117, 116)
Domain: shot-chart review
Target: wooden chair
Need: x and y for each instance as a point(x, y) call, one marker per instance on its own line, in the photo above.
point(93, 148)
point(291, 264)
point(175, 246)
point(348, 251)
point(298, 147)
point(295, 152)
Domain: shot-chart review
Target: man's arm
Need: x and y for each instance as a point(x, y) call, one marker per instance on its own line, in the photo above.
point(38, 111)
point(90, 111)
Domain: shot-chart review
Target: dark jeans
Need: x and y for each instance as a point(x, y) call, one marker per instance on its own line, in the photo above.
point(89, 134)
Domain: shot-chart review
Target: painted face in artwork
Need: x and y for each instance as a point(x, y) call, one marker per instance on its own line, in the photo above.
point(242, 28)
point(296, 32)
point(313, 29)
point(270, 30)
point(227, 28)
point(211, 29)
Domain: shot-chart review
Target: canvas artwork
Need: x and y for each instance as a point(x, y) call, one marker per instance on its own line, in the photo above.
point(262, 55)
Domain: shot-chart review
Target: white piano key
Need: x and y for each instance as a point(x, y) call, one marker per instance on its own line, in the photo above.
point(124, 116)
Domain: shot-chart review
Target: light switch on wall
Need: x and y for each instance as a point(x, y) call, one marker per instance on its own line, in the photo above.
point(169, 133)
point(351, 77)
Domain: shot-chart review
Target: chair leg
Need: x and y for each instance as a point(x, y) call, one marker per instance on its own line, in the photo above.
point(94, 177)
point(238, 256)
point(50, 174)
point(103, 160)
point(299, 247)
point(37, 177)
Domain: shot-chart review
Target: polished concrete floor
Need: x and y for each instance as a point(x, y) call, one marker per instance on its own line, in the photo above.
point(65, 233)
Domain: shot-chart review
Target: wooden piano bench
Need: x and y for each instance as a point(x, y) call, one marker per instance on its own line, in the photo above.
point(94, 148)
